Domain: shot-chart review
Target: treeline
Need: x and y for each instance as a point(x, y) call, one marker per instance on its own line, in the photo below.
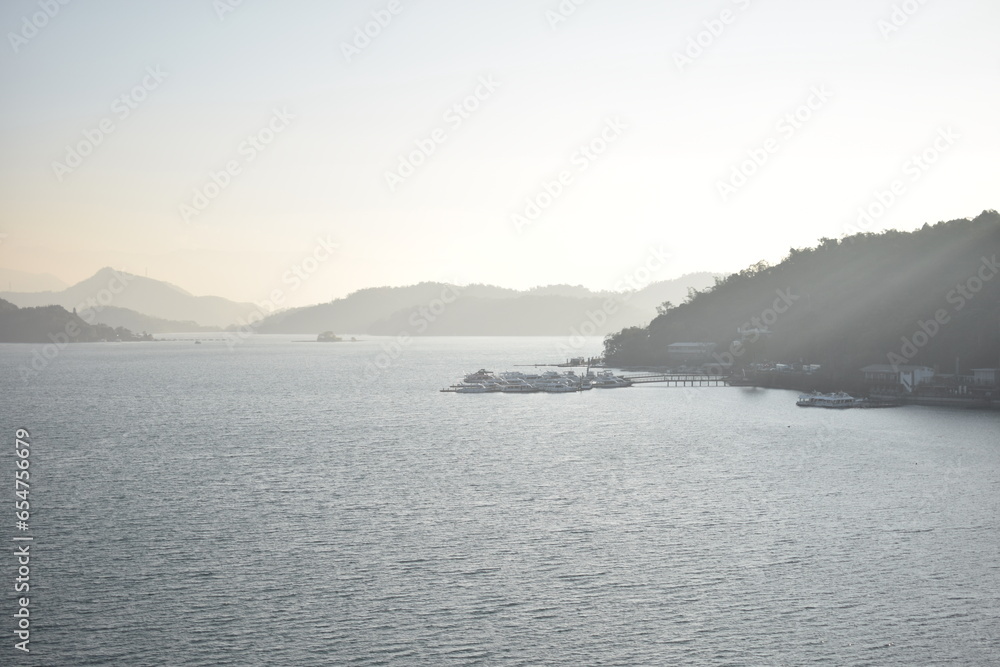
point(55, 324)
point(924, 297)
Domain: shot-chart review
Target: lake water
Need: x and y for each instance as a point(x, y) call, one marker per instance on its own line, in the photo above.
point(276, 504)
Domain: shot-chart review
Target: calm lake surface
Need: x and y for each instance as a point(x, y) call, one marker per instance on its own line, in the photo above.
point(278, 505)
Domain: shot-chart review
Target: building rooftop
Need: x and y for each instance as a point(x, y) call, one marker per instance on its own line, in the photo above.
point(889, 368)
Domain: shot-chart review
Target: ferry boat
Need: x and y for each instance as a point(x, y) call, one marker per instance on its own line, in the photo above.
point(837, 401)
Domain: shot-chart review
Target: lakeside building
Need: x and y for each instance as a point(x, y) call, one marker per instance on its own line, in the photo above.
point(891, 379)
point(986, 376)
point(982, 384)
point(920, 385)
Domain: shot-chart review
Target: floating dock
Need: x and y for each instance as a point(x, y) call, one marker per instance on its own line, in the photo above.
point(680, 379)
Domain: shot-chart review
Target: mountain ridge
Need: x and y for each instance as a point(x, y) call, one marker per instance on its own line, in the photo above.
point(147, 296)
point(30, 282)
point(121, 299)
point(477, 309)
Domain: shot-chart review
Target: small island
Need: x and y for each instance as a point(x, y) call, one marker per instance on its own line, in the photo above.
point(329, 337)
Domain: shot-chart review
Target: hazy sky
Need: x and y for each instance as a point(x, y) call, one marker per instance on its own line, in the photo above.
point(199, 81)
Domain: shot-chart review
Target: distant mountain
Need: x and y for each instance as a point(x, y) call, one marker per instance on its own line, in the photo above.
point(357, 312)
point(675, 291)
point(524, 315)
point(483, 310)
point(130, 319)
point(572, 291)
point(22, 281)
point(150, 297)
point(52, 325)
point(142, 304)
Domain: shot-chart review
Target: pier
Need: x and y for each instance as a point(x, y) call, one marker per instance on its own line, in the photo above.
point(680, 379)
point(576, 362)
point(191, 340)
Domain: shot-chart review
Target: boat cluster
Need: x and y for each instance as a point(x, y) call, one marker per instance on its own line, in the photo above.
point(515, 382)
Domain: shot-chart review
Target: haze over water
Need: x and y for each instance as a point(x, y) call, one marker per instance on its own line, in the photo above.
point(193, 505)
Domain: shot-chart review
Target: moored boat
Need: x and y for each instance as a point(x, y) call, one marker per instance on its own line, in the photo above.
point(517, 387)
point(608, 380)
point(837, 401)
point(480, 376)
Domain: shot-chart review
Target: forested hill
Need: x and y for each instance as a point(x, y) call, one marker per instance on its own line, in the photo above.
point(55, 325)
point(923, 297)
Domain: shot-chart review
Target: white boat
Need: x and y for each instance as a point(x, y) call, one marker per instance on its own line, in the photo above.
point(837, 401)
point(482, 375)
point(470, 388)
point(515, 386)
point(473, 389)
point(608, 380)
point(556, 388)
